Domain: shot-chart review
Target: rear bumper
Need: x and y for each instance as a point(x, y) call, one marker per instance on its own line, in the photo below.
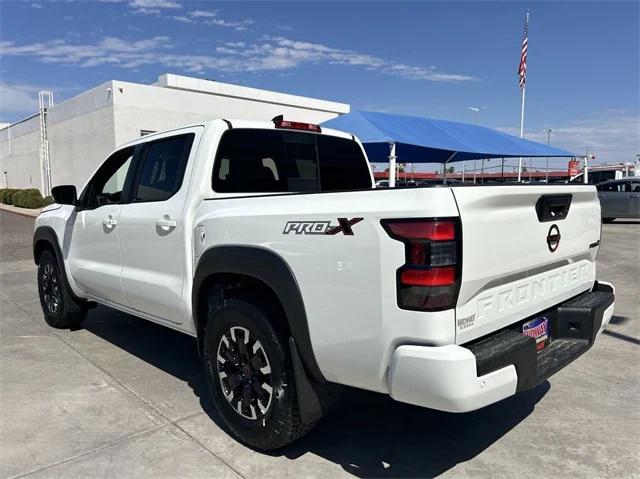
point(464, 378)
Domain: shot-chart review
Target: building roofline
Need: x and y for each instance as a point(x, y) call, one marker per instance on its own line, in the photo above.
point(179, 82)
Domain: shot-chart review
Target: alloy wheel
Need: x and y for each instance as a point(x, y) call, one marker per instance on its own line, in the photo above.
point(51, 288)
point(244, 372)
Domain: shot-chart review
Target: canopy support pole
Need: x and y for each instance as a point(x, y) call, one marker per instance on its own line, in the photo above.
point(464, 165)
point(444, 167)
point(392, 165)
point(585, 170)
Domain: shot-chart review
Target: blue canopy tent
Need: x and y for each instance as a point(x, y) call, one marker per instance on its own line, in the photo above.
point(387, 136)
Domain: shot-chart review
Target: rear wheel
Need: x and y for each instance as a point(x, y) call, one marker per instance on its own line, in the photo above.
point(59, 308)
point(250, 376)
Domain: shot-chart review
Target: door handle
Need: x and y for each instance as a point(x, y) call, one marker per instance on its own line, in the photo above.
point(110, 221)
point(166, 223)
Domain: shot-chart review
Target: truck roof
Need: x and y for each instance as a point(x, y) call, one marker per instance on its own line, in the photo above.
point(237, 123)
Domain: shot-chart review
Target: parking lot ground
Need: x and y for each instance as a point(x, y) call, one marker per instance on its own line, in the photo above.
point(122, 397)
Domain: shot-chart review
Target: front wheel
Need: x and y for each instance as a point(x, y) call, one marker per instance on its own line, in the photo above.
point(60, 310)
point(250, 376)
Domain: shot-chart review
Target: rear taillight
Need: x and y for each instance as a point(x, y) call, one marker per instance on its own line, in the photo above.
point(430, 278)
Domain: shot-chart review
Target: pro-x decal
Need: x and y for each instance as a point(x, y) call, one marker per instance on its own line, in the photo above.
point(321, 227)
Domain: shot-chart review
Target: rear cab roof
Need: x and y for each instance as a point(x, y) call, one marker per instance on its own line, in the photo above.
point(236, 123)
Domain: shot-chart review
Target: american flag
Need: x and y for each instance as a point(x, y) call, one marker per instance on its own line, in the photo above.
point(522, 69)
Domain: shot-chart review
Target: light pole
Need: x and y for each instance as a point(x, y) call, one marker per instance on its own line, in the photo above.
point(548, 130)
point(477, 110)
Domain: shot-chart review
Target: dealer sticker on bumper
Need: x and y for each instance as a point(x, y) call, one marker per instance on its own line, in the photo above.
point(538, 329)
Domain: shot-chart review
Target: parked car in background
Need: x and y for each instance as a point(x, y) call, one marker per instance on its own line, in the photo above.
point(619, 198)
point(399, 184)
point(601, 173)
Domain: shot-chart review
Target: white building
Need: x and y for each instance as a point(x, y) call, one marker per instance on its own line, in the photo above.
point(65, 143)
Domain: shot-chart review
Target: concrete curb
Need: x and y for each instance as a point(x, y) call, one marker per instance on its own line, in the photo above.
point(30, 213)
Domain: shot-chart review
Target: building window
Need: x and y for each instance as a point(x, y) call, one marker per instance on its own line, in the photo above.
point(146, 132)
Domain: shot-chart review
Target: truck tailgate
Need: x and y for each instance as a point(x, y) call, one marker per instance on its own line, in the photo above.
point(525, 248)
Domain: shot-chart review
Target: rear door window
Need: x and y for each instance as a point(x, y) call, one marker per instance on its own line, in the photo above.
point(272, 161)
point(162, 170)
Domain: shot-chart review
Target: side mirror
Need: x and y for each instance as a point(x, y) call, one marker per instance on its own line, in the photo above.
point(64, 194)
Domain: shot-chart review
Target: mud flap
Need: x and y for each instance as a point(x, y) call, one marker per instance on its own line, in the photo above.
point(314, 399)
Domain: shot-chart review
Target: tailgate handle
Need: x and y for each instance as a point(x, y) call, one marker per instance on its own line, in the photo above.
point(553, 207)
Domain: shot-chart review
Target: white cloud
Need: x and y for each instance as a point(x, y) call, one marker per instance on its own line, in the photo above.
point(154, 4)
point(110, 50)
point(17, 99)
point(183, 19)
point(612, 136)
point(238, 26)
point(283, 27)
point(202, 14)
point(268, 54)
point(208, 17)
point(148, 7)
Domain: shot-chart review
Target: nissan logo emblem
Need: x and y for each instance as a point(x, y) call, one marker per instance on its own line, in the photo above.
point(553, 238)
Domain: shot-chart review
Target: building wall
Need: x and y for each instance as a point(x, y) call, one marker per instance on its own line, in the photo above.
point(81, 134)
point(85, 129)
point(20, 155)
point(149, 107)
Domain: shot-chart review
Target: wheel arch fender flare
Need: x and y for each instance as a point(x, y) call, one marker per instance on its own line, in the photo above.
point(46, 237)
point(271, 269)
point(43, 237)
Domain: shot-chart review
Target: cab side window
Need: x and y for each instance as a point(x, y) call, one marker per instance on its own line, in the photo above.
point(613, 187)
point(107, 184)
point(163, 165)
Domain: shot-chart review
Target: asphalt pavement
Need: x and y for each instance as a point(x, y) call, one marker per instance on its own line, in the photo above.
point(122, 397)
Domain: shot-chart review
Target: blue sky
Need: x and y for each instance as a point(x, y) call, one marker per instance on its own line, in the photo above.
point(421, 58)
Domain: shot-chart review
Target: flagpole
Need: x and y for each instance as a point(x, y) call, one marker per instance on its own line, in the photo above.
point(524, 89)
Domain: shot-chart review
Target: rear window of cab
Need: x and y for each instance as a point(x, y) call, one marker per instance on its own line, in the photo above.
point(272, 161)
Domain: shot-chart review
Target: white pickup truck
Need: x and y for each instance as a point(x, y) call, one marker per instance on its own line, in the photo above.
point(268, 242)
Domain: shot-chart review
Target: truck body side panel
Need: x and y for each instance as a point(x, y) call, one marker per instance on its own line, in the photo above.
point(347, 281)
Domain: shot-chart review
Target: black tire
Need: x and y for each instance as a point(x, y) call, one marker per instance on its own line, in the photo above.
point(608, 220)
point(59, 308)
point(279, 423)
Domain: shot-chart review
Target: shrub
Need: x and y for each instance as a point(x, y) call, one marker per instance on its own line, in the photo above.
point(11, 195)
point(30, 198)
point(31, 201)
point(6, 194)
